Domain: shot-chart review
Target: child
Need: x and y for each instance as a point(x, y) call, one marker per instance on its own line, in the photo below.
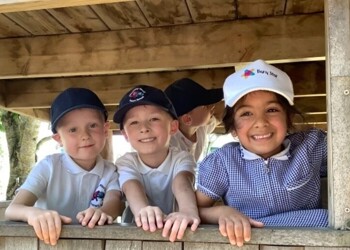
point(155, 179)
point(75, 185)
point(195, 107)
point(270, 177)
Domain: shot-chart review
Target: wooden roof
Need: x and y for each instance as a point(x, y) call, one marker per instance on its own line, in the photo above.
point(109, 46)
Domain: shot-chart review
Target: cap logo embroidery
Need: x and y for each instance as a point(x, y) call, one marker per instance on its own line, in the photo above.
point(248, 73)
point(136, 95)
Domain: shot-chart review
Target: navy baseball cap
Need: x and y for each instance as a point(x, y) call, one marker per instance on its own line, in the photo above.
point(186, 94)
point(143, 95)
point(74, 98)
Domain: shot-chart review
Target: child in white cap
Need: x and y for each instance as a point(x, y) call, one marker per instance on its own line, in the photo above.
point(271, 177)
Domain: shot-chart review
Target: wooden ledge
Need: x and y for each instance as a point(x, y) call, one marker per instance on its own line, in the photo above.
point(204, 234)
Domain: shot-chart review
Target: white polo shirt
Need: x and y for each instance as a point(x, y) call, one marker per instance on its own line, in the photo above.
point(157, 182)
point(179, 140)
point(61, 185)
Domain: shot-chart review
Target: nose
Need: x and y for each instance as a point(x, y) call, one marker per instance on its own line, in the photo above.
point(85, 134)
point(260, 121)
point(144, 127)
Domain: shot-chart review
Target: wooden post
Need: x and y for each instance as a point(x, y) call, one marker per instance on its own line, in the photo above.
point(337, 18)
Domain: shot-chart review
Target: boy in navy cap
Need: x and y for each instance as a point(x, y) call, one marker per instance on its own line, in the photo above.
point(157, 180)
point(77, 185)
point(195, 107)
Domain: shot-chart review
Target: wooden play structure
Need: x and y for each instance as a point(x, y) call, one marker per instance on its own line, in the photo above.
point(111, 45)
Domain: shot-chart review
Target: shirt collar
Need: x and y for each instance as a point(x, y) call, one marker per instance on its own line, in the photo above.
point(74, 168)
point(283, 155)
point(164, 167)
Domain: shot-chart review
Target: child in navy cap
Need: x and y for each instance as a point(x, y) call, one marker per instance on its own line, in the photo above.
point(157, 179)
point(271, 177)
point(77, 185)
point(195, 107)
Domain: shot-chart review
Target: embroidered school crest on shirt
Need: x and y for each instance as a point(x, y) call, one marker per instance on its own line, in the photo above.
point(98, 196)
point(136, 95)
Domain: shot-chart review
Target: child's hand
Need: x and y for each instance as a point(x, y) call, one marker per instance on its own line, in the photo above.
point(150, 218)
point(236, 226)
point(92, 216)
point(177, 222)
point(47, 224)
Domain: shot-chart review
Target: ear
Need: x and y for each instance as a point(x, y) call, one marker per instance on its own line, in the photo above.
point(186, 119)
point(57, 138)
point(106, 128)
point(125, 135)
point(174, 126)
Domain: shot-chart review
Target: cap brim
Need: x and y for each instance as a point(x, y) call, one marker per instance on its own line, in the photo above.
point(119, 115)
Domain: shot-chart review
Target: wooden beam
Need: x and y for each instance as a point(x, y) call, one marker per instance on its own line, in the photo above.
point(206, 45)
point(39, 93)
point(27, 5)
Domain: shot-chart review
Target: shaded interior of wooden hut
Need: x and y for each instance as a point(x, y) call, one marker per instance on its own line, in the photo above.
point(109, 46)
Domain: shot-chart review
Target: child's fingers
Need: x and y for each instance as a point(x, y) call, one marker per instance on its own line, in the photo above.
point(195, 224)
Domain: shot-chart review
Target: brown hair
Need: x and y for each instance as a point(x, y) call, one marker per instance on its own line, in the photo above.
point(290, 110)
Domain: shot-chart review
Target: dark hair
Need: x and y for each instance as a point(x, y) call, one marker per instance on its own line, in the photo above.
point(290, 110)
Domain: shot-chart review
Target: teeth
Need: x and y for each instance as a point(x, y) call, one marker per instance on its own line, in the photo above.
point(147, 140)
point(258, 137)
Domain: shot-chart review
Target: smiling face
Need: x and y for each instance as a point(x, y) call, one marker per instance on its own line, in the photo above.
point(260, 123)
point(148, 128)
point(82, 133)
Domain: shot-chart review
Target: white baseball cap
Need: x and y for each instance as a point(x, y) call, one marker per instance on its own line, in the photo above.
point(255, 76)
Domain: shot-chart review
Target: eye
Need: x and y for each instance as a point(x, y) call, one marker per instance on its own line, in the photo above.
point(93, 125)
point(133, 123)
point(153, 119)
point(72, 130)
point(247, 113)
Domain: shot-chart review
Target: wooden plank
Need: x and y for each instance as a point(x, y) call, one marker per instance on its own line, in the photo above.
point(26, 5)
point(38, 22)
point(212, 10)
point(161, 13)
point(39, 93)
point(279, 236)
point(216, 246)
point(264, 247)
point(18, 243)
point(76, 244)
point(123, 245)
point(260, 9)
point(337, 13)
point(304, 6)
point(205, 45)
point(156, 245)
point(121, 16)
point(78, 19)
point(8, 28)
point(326, 248)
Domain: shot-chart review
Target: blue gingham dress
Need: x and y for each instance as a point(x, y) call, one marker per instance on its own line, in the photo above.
point(283, 190)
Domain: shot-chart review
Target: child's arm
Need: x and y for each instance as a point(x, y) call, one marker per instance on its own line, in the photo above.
point(232, 223)
point(111, 208)
point(177, 222)
point(150, 218)
point(47, 224)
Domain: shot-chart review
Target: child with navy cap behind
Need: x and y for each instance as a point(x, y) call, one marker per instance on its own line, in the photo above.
point(271, 177)
point(77, 185)
point(195, 107)
point(157, 180)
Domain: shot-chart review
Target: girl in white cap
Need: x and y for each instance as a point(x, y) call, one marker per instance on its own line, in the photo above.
point(271, 177)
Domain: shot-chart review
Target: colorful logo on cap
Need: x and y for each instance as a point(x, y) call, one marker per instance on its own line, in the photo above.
point(248, 73)
point(136, 95)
